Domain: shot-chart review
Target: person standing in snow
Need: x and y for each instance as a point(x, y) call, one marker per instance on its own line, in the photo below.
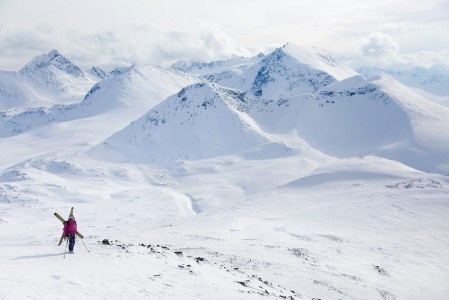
point(70, 230)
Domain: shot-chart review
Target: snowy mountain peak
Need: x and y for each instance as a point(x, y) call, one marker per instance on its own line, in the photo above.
point(54, 53)
point(98, 73)
point(292, 70)
point(56, 77)
point(46, 80)
point(318, 59)
point(308, 55)
point(52, 60)
point(202, 120)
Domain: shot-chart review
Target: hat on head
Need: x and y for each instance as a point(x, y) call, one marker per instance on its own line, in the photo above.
point(72, 216)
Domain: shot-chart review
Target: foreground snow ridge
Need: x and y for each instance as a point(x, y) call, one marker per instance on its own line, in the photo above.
point(281, 176)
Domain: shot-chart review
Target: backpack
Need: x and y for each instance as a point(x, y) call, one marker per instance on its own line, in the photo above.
point(71, 227)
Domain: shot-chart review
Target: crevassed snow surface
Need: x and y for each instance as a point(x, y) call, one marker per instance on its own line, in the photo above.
point(335, 190)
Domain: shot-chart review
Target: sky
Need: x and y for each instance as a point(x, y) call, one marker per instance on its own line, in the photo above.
point(105, 33)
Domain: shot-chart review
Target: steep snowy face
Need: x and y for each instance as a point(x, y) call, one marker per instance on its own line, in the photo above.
point(202, 120)
point(138, 86)
point(52, 73)
point(292, 70)
point(427, 119)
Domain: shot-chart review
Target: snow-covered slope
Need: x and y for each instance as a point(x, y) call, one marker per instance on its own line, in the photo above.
point(15, 93)
point(202, 120)
point(137, 87)
point(355, 228)
point(361, 117)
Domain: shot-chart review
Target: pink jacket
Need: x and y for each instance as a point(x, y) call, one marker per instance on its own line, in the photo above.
point(70, 227)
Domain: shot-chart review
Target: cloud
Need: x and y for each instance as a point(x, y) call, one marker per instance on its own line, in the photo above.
point(381, 50)
point(119, 46)
point(14, 43)
point(205, 44)
point(378, 44)
point(426, 58)
point(397, 26)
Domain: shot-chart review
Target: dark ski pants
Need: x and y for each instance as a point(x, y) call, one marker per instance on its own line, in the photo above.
point(71, 242)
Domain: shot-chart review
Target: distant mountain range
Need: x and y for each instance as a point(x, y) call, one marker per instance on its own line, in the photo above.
point(292, 101)
point(433, 80)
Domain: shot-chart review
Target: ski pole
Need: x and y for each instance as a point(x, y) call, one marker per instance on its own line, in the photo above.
point(66, 243)
point(84, 245)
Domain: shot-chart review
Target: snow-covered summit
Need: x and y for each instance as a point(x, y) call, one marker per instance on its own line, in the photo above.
point(98, 73)
point(55, 76)
point(46, 80)
point(317, 59)
point(292, 70)
point(52, 61)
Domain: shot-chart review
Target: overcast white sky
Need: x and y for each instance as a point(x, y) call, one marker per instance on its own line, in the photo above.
point(115, 33)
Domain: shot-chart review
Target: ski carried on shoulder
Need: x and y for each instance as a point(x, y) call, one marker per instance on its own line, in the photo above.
point(62, 220)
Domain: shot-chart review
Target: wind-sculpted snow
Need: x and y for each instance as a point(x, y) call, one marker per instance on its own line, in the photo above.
point(356, 169)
